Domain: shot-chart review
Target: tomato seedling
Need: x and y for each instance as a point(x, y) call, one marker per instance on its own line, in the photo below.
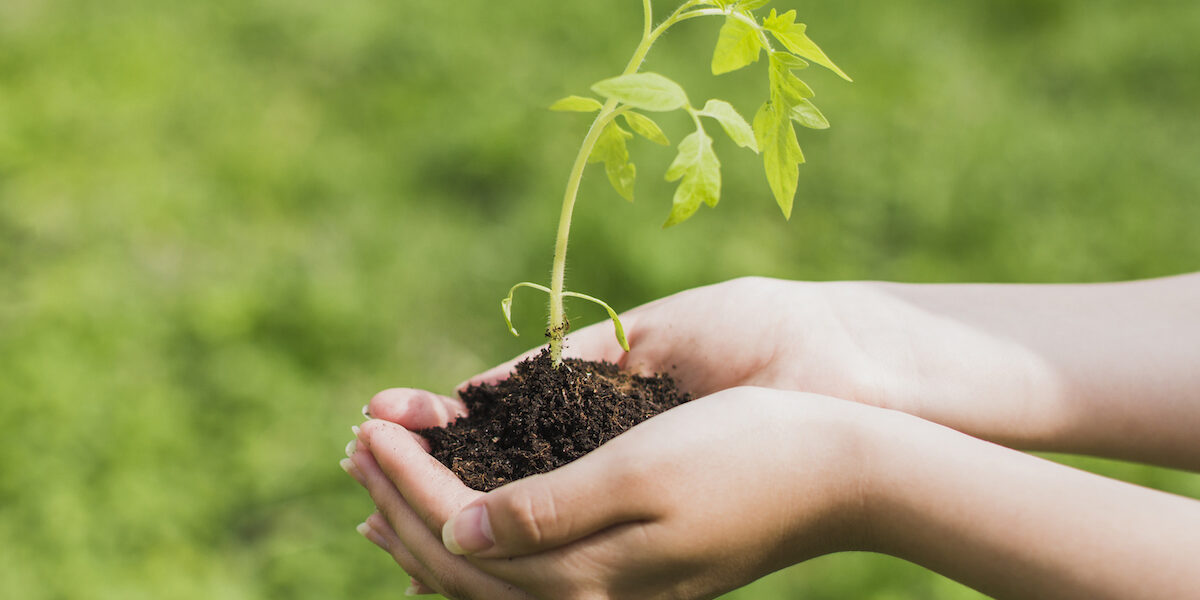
point(742, 41)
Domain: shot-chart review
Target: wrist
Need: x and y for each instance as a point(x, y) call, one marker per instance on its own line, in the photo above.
point(854, 439)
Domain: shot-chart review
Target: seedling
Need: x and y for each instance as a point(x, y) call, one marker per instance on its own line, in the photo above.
point(742, 41)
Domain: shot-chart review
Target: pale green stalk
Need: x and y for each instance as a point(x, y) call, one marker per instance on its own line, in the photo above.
point(558, 325)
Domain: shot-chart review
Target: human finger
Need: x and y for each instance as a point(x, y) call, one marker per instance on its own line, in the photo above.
point(419, 551)
point(415, 409)
point(376, 529)
point(425, 484)
point(553, 509)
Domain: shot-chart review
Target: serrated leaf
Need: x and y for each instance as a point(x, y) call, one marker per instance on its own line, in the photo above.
point(807, 114)
point(699, 172)
point(786, 86)
point(576, 104)
point(789, 60)
point(646, 127)
point(738, 45)
point(732, 122)
point(781, 153)
point(647, 91)
point(611, 149)
point(792, 35)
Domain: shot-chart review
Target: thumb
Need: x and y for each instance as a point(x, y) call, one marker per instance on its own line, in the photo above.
point(546, 511)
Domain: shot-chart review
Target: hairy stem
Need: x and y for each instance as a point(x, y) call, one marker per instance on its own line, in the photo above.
point(558, 326)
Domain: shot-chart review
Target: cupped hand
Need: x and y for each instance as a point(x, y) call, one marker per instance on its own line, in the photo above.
point(692, 503)
point(949, 354)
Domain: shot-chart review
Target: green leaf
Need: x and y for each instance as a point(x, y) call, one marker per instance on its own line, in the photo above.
point(792, 36)
point(738, 45)
point(611, 149)
point(646, 127)
point(576, 104)
point(781, 153)
point(647, 91)
point(807, 114)
point(700, 171)
point(789, 60)
point(506, 303)
point(622, 178)
point(785, 86)
point(732, 122)
point(618, 329)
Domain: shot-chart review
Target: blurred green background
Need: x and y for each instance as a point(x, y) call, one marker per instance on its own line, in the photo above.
point(225, 225)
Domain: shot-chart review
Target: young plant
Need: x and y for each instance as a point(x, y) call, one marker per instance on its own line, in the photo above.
point(742, 41)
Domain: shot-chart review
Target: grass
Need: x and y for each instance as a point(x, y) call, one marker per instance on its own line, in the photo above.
point(224, 225)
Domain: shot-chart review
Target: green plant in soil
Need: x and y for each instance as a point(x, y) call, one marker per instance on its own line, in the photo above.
point(744, 38)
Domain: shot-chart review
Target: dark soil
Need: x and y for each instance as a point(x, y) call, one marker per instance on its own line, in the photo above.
point(541, 418)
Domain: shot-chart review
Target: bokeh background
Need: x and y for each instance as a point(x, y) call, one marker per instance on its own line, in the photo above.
point(225, 224)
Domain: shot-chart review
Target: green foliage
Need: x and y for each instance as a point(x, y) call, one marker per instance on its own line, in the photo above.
point(699, 173)
point(646, 127)
point(647, 91)
point(611, 150)
point(739, 44)
point(741, 41)
point(732, 122)
point(792, 35)
point(577, 104)
point(781, 152)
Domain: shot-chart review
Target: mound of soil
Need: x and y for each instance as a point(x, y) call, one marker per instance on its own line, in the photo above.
point(541, 418)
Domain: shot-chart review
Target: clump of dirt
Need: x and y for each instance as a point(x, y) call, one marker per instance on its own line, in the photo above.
point(541, 418)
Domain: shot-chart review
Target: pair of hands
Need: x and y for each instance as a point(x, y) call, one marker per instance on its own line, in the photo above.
point(700, 500)
point(772, 465)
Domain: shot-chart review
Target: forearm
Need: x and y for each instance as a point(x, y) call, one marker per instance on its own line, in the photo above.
point(1016, 526)
point(1104, 369)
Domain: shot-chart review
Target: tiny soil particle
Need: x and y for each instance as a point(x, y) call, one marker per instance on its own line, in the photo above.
point(542, 418)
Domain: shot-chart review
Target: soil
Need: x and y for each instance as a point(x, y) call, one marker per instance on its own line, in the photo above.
point(541, 418)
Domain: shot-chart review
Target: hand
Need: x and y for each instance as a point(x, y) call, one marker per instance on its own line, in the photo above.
point(713, 494)
point(1106, 369)
point(694, 502)
point(910, 348)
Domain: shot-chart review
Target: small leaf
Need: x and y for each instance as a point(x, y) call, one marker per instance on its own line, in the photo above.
point(612, 314)
point(622, 178)
point(792, 36)
point(786, 86)
point(647, 91)
point(646, 127)
point(700, 171)
point(781, 154)
point(807, 114)
point(789, 60)
point(506, 303)
point(732, 122)
point(576, 104)
point(738, 45)
point(611, 149)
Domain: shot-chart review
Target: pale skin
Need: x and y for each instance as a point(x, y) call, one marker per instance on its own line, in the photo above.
point(892, 416)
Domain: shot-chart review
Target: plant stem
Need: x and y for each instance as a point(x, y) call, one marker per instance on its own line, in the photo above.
point(558, 325)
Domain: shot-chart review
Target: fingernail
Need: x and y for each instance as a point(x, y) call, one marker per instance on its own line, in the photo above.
point(366, 411)
point(363, 529)
point(469, 531)
point(351, 447)
point(416, 588)
point(350, 468)
point(355, 430)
